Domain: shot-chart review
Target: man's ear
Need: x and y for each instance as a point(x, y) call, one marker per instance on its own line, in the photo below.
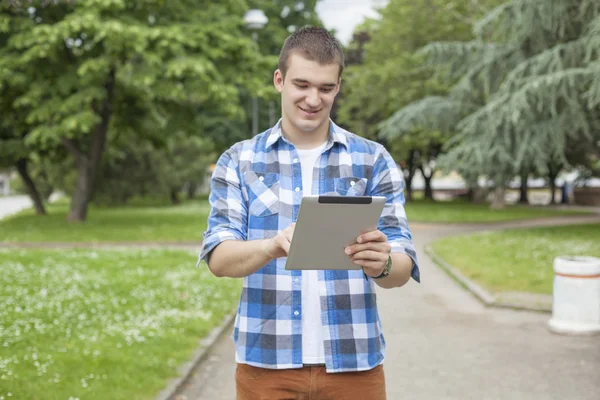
point(278, 80)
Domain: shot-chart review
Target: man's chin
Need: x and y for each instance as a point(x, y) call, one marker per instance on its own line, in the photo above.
point(308, 126)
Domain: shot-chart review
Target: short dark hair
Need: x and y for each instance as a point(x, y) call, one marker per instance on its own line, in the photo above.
point(313, 43)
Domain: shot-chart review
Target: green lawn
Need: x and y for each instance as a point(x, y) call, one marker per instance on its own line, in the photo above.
point(518, 260)
point(461, 211)
point(102, 325)
point(186, 222)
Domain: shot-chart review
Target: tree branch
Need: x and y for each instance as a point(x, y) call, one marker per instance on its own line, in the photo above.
point(74, 150)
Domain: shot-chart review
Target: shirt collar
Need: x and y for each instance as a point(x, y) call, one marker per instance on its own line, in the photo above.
point(336, 134)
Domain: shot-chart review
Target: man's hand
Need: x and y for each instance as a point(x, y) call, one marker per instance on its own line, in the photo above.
point(371, 252)
point(279, 246)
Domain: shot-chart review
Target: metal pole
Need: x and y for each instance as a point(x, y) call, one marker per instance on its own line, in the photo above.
point(254, 116)
point(255, 100)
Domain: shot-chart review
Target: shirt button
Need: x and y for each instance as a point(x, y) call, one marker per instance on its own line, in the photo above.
point(297, 280)
point(297, 189)
point(261, 178)
point(296, 313)
point(295, 160)
point(352, 183)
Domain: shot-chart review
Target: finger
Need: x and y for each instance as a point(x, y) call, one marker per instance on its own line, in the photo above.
point(375, 246)
point(370, 255)
point(284, 243)
point(371, 268)
point(288, 235)
point(373, 236)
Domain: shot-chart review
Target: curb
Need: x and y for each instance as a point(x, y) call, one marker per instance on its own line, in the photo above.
point(479, 292)
point(199, 355)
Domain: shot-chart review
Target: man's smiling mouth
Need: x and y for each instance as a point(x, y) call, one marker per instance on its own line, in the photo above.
point(310, 112)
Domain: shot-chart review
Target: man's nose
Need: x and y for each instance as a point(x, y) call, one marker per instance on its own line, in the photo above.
point(312, 99)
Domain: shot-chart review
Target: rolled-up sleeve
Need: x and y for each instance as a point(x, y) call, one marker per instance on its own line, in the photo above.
point(389, 182)
point(228, 214)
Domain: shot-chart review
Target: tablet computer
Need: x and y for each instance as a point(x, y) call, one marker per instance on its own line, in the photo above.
point(326, 225)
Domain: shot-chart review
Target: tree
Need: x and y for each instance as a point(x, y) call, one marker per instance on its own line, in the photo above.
point(529, 85)
point(154, 169)
point(104, 59)
point(392, 76)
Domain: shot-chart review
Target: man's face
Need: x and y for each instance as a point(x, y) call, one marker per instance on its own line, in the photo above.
point(307, 92)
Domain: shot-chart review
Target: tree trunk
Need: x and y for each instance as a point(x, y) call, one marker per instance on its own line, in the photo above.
point(34, 194)
point(499, 200)
point(411, 168)
point(553, 190)
point(191, 190)
point(89, 164)
point(409, 192)
point(175, 197)
point(523, 197)
point(82, 194)
point(427, 178)
point(479, 195)
point(552, 174)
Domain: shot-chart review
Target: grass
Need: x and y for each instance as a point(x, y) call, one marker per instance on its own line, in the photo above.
point(149, 221)
point(102, 325)
point(186, 222)
point(518, 260)
point(461, 211)
point(146, 221)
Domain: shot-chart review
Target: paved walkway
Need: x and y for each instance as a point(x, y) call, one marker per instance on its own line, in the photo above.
point(10, 205)
point(13, 204)
point(443, 344)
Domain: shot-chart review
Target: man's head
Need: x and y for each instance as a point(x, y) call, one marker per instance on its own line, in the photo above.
point(309, 75)
point(314, 44)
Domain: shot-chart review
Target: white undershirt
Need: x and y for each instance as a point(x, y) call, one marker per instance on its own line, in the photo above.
point(313, 351)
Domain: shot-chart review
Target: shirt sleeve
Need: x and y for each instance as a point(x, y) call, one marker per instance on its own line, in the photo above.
point(228, 214)
point(389, 182)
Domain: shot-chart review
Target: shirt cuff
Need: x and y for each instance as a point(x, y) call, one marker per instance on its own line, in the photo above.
point(407, 248)
point(213, 240)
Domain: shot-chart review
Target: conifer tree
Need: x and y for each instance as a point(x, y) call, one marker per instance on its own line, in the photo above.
point(529, 90)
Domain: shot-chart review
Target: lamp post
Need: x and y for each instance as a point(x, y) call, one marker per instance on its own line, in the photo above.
point(255, 20)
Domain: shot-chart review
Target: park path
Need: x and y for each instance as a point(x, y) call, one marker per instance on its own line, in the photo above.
point(442, 343)
point(13, 204)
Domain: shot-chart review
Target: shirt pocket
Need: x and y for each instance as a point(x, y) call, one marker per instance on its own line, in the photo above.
point(351, 186)
point(263, 193)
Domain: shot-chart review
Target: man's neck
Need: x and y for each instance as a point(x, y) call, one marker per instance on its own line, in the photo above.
point(305, 140)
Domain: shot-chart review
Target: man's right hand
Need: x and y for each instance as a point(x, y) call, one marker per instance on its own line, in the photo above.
point(279, 246)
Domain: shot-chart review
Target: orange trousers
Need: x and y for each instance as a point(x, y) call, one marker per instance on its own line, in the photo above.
point(308, 383)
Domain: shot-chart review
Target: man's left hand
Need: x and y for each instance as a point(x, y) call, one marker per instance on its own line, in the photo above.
point(371, 252)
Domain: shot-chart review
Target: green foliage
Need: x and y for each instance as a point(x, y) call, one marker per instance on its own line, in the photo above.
point(392, 74)
point(49, 173)
point(153, 170)
point(140, 67)
point(528, 91)
point(160, 53)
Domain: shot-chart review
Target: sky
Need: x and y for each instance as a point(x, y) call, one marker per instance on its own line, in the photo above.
point(345, 15)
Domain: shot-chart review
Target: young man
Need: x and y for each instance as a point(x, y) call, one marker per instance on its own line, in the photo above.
point(302, 334)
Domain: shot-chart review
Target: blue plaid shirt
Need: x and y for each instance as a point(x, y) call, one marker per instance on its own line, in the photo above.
point(256, 190)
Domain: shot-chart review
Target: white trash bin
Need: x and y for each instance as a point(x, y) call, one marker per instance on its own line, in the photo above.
point(576, 295)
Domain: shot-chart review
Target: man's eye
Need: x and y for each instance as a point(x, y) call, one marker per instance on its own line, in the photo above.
point(326, 90)
point(301, 86)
